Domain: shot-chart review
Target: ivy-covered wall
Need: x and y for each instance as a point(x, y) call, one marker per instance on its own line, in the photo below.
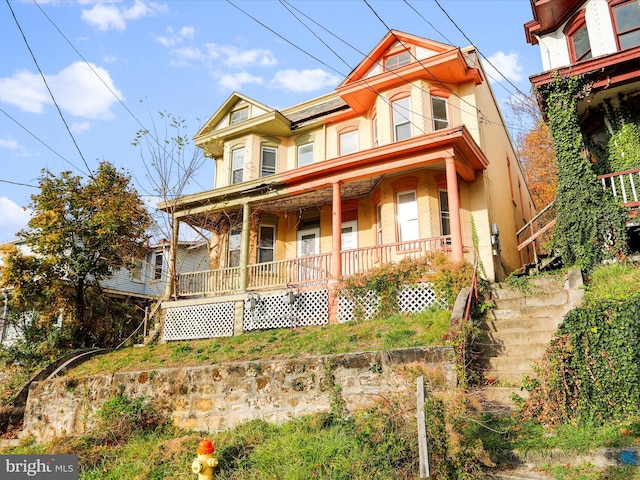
point(590, 224)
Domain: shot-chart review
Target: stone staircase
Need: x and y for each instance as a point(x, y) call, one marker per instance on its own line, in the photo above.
point(518, 329)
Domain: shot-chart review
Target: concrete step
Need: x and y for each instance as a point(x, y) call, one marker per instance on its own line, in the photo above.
point(518, 338)
point(499, 399)
point(503, 364)
point(541, 300)
point(510, 324)
point(558, 311)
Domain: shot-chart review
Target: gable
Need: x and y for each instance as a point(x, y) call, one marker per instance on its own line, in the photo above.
point(400, 58)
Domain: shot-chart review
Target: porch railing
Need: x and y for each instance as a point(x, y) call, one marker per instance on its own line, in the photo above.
point(296, 271)
point(220, 281)
point(363, 260)
point(310, 270)
point(622, 186)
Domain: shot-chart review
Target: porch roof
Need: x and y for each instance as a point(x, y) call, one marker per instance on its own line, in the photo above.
point(358, 173)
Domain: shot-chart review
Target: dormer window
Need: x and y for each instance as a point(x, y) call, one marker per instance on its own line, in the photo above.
point(239, 115)
point(578, 38)
point(396, 61)
point(626, 22)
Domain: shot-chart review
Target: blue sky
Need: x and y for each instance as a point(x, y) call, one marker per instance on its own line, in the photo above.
point(111, 66)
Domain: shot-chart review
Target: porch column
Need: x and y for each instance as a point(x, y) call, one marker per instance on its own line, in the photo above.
point(171, 284)
point(336, 228)
point(336, 257)
point(453, 195)
point(244, 246)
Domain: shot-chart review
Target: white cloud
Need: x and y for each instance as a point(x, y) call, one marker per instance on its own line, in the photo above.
point(172, 38)
point(237, 58)
point(79, 127)
point(506, 66)
point(24, 90)
point(109, 16)
point(14, 217)
point(301, 81)
point(8, 144)
point(235, 81)
point(76, 88)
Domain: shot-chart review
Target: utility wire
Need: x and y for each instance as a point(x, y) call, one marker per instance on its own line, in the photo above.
point(18, 183)
point(469, 40)
point(49, 89)
point(38, 139)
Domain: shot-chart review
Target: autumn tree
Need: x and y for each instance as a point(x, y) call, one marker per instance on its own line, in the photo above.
point(79, 233)
point(535, 149)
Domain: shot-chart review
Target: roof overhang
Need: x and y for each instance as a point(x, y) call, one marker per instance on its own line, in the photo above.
point(356, 172)
point(548, 16)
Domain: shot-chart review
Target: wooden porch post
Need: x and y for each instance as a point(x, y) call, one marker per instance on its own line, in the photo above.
point(336, 257)
point(171, 284)
point(453, 195)
point(244, 246)
point(336, 228)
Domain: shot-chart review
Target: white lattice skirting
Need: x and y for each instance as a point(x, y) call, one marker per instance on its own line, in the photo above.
point(287, 311)
point(199, 321)
point(291, 309)
point(412, 299)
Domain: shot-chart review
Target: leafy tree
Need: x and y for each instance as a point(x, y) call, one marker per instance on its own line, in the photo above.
point(79, 234)
point(537, 155)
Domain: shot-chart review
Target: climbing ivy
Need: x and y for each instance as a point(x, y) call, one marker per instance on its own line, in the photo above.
point(591, 369)
point(590, 224)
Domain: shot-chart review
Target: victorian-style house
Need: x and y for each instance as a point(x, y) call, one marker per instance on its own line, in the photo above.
point(408, 155)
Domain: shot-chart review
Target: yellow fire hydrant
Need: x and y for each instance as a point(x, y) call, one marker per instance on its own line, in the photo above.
point(203, 465)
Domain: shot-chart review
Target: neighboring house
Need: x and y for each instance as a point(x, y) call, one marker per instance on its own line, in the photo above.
point(145, 282)
point(599, 39)
point(408, 155)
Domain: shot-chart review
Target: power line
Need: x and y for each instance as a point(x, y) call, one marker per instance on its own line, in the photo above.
point(38, 138)
point(479, 52)
point(127, 109)
point(18, 183)
point(48, 89)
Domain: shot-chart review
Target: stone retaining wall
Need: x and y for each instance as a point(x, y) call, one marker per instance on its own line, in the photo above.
point(221, 396)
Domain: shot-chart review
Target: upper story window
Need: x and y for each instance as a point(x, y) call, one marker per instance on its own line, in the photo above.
point(626, 22)
point(305, 154)
point(137, 272)
point(375, 131)
point(158, 266)
point(268, 161)
point(401, 118)
point(399, 60)
point(578, 38)
point(440, 112)
point(349, 142)
point(237, 165)
point(239, 115)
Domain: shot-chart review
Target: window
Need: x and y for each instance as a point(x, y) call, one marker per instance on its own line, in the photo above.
point(268, 161)
point(237, 165)
point(158, 266)
point(137, 271)
point(239, 115)
point(235, 236)
point(308, 242)
point(267, 242)
point(375, 131)
point(379, 224)
point(305, 154)
point(408, 216)
point(578, 38)
point(626, 22)
point(401, 115)
point(397, 61)
point(440, 113)
point(445, 222)
point(349, 142)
